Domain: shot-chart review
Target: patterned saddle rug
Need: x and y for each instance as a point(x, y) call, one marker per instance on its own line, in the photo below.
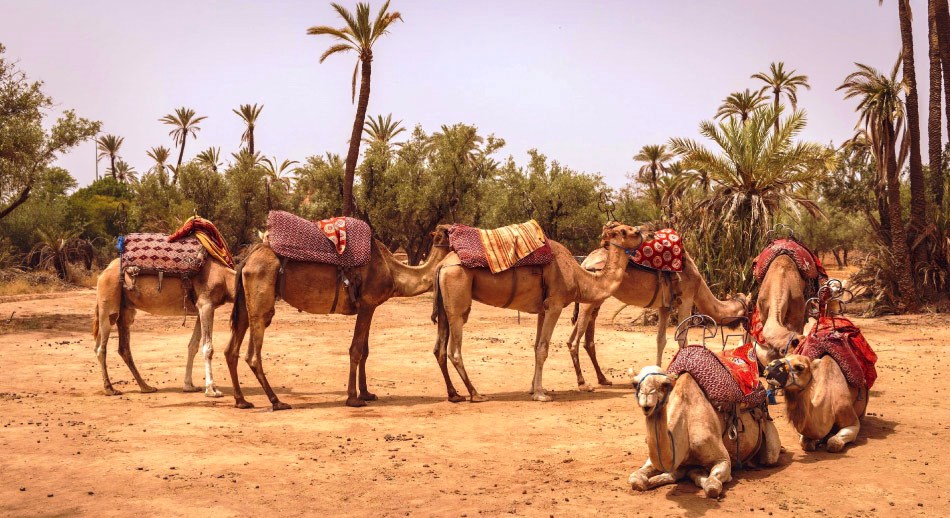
point(152, 253)
point(299, 239)
point(664, 252)
point(839, 338)
point(808, 263)
point(731, 377)
point(500, 249)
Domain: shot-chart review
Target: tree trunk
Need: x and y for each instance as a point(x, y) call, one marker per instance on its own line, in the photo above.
point(905, 281)
point(112, 163)
point(934, 126)
point(250, 140)
point(775, 104)
point(24, 195)
point(355, 136)
point(943, 36)
point(918, 195)
point(181, 154)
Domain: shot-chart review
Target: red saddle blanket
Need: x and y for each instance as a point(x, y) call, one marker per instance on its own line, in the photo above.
point(209, 237)
point(808, 263)
point(728, 377)
point(839, 338)
point(664, 252)
point(152, 253)
point(299, 239)
point(466, 242)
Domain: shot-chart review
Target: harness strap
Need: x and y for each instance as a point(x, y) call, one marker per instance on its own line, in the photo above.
point(161, 275)
point(281, 278)
point(514, 288)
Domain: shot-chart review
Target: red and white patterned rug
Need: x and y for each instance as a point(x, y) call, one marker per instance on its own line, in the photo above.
point(664, 252)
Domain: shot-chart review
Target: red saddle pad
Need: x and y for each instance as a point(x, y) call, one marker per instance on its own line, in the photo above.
point(300, 239)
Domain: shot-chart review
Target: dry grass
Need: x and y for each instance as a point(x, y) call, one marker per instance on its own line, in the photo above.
point(14, 281)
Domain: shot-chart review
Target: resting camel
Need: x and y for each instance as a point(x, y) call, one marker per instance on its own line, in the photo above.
point(639, 288)
point(819, 400)
point(684, 431)
point(781, 305)
point(312, 287)
point(544, 290)
point(213, 286)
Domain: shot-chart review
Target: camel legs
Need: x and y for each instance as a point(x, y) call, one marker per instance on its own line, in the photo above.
point(720, 473)
point(847, 434)
point(573, 343)
point(206, 320)
point(102, 343)
point(258, 323)
point(233, 352)
point(456, 324)
point(771, 446)
point(441, 356)
point(649, 477)
point(359, 350)
point(193, 344)
point(126, 318)
point(591, 349)
point(547, 319)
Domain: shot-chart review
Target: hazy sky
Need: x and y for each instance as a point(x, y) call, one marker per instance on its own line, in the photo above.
point(587, 83)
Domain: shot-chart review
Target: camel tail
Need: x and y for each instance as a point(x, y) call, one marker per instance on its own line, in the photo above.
point(577, 311)
point(437, 297)
point(95, 324)
point(239, 303)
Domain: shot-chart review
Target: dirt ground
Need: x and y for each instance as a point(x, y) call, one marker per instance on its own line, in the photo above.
point(67, 449)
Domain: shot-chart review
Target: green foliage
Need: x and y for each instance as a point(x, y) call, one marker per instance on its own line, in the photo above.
point(102, 210)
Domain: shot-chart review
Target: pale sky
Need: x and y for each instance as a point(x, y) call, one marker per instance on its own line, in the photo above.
point(587, 83)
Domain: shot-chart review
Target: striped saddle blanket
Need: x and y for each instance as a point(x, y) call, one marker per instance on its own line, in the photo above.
point(522, 244)
point(152, 253)
point(300, 239)
point(728, 377)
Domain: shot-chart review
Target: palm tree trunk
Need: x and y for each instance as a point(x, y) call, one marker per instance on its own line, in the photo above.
point(181, 154)
point(353, 154)
point(918, 196)
point(250, 140)
point(934, 126)
point(905, 281)
point(112, 165)
point(775, 104)
point(943, 36)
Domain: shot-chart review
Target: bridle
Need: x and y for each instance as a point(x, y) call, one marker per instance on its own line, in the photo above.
point(794, 378)
point(656, 431)
point(631, 252)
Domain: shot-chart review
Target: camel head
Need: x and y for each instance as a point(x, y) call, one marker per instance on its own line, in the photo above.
point(624, 236)
point(653, 386)
point(440, 236)
point(791, 373)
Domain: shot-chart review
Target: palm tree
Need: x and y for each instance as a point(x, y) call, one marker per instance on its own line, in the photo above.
point(778, 82)
point(210, 158)
point(882, 116)
point(185, 123)
point(741, 104)
point(123, 172)
point(943, 34)
point(160, 155)
point(655, 156)
point(108, 146)
point(249, 113)
point(934, 123)
point(358, 35)
point(382, 130)
point(918, 196)
point(280, 173)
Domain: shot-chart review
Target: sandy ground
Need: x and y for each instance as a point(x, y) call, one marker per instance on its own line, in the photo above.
point(67, 449)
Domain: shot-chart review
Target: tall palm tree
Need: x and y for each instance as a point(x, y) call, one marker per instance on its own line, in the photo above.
point(108, 146)
point(280, 172)
point(655, 157)
point(160, 155)
point(249, 113)
point(185, 123)
point(778, 82)
point(382, 130)
point(741, 104)
point(882, 115)
point(934, 122)
point(358, 35)
point(210, 158)
point(943, 34)
point(123, 172)
point(918, 196)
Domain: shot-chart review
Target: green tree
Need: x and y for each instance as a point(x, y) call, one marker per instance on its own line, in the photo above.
point(655, 157)
point(382, 130)
point(319, 187)
point(741, 104)
point(160, 155)
point(185, 122)
point(778, 82)
point(358, 35)
point(210, 158)
point(108, 146)
point(27, 148)
point(249, 114)
point(124, 172)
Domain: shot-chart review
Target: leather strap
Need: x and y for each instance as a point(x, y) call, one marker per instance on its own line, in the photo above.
point(656, 291)
point(281, 278)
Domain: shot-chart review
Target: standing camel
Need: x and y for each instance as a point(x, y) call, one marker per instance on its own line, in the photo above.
point(213, 286)
point(780, 308)
point(643, 288)
point(544, 290)
point(313, 287)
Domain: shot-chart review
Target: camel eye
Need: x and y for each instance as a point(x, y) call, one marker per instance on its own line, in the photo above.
point(799, 367)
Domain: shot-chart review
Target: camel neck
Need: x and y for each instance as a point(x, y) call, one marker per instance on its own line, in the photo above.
point(660, 441)
point(410, 281)
point(707, 303)
point(606, 281)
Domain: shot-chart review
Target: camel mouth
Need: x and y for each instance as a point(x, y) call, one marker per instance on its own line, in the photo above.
point(648, 410)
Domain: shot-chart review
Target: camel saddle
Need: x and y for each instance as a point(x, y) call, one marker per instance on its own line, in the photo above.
point(809, 266)
point(664, 252)
point(500, 249)
point(152, 254)
point(299, 239)
point(840, 339)
point(727, 378)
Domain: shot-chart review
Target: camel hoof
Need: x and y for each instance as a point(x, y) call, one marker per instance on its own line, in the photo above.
point(109, 391)
point(191, 388)
point(478, 398)
point(355, 402)
point(713, 487)
point(242, 404)
point(637, 481)
point(147, 389)
point(809, 445)
point(835, 445)
point(212, 392)
point(368, 396)
point(280, 405)
point(541, 397)
point(585, 388)
point(605, 382)
point(456, 398)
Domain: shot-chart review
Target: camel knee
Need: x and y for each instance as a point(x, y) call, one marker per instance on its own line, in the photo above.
point(638, 481)
point(207, 350)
